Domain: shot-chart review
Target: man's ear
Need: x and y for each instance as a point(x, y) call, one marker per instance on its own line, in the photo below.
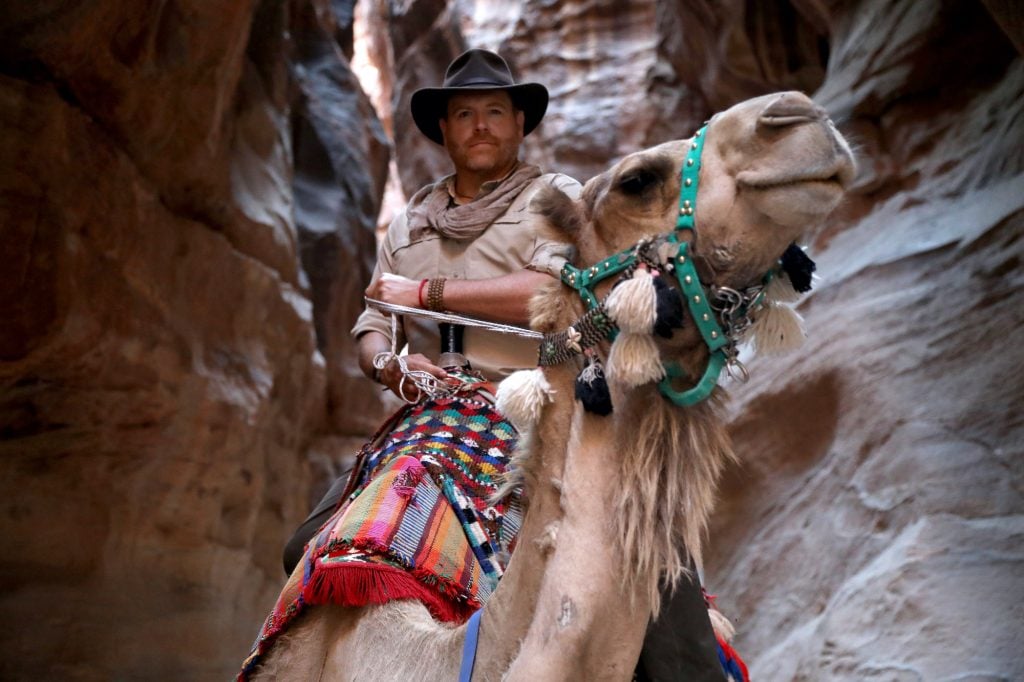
point(520, 121)
point(443, 124)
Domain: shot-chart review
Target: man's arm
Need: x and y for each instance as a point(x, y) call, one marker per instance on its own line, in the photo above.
point(501, 299)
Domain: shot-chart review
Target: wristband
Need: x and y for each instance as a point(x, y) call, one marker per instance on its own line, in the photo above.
point(419, 294)
point(435, 294)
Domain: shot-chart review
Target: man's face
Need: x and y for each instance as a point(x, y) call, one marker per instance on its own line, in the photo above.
point(482, 132)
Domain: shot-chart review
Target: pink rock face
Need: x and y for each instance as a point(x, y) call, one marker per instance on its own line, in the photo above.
point(874, 525)
point(188, 192)
point(162, 380)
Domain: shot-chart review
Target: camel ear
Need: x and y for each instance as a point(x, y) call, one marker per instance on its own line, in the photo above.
point(561, 213)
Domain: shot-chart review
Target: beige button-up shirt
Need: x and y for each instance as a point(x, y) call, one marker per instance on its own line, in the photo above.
point(511, 243)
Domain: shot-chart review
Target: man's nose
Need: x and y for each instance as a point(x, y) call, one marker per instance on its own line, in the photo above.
point(480, 122)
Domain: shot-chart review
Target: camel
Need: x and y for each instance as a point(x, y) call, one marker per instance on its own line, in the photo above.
point(617, 502)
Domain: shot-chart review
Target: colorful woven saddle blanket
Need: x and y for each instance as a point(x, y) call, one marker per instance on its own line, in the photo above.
point(420, 522)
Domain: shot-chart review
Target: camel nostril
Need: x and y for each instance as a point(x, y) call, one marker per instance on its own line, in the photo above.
point(788, 109)
point(847, 172)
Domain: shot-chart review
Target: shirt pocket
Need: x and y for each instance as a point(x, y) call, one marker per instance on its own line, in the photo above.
point(514, 215)
point(417, 259)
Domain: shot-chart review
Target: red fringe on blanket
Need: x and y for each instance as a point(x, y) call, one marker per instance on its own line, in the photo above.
point(357, 584)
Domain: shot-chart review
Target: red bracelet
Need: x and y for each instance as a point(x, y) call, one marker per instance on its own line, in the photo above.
point(420, 294)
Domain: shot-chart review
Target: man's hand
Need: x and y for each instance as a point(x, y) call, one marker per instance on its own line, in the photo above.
point(373, 343)
point(396, 290)
point(391, 375)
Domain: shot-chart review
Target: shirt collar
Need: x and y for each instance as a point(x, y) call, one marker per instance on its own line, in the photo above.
point(485, 189)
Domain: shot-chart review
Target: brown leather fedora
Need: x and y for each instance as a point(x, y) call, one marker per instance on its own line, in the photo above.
point(476, 70)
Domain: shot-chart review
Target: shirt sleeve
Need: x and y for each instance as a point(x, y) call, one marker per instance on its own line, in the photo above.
point(549, 255)
point(374, 320)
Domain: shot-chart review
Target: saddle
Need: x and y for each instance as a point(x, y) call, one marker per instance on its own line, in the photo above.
point(419, 520)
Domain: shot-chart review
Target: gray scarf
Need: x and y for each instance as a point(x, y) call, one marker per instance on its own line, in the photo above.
point(431, 209)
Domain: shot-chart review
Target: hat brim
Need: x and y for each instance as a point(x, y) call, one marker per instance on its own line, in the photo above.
point(430, 105)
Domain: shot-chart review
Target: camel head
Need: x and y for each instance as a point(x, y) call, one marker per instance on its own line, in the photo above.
point(772, 167)
point(720, 210)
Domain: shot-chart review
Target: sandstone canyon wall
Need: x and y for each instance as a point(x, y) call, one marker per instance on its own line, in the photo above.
point(188, 193)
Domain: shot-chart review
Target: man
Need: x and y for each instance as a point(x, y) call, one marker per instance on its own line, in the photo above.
point(466, 244)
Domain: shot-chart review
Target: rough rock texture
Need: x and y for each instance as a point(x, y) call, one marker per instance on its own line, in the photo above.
point(161, 390)
point(875, 528)
point(341, 165)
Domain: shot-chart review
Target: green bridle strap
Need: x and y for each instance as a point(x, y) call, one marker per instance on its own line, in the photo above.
point(696, 298)
point(697, 301)
point(710, 331)
point(583, 281)
point(701, 390)
point(690, 174)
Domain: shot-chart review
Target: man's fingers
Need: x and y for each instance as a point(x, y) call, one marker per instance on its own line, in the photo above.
point(397, 290)
point(422, 363)
point(388, 282)
point(391, 375)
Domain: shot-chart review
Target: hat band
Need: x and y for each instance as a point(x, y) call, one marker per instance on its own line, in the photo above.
point(483, 81)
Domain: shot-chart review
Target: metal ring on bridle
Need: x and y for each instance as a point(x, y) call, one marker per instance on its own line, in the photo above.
point(737, 370)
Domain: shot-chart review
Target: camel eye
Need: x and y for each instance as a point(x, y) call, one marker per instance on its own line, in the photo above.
point(637, 181)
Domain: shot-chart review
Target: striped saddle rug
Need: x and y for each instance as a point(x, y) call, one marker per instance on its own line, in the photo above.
point(419, 522)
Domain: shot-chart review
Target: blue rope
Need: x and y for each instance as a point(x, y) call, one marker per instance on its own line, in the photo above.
point(469, 647)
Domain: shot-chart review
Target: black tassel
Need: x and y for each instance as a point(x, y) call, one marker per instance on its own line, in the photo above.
point(592, 388)
point(669, 309)
point(799, 267)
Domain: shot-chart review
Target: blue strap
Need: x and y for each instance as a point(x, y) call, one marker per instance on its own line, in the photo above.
point(469, 647)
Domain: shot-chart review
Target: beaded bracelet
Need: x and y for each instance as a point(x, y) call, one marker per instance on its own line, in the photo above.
point(419, 294)
point(435, 294)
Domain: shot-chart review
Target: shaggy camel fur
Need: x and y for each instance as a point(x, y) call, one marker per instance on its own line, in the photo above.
point(615, 502)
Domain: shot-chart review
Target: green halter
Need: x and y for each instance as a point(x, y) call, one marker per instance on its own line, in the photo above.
point(583, 281)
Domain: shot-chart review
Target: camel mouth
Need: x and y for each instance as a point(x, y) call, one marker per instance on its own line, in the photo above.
point(795, 200)
point(838, 173)
point(836, 180)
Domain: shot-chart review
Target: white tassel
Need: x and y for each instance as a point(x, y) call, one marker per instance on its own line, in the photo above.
point(777, 329)
point(634, 360)
point(634, 303)
point(780, 289)
point(522, 395)
point(721, 625)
